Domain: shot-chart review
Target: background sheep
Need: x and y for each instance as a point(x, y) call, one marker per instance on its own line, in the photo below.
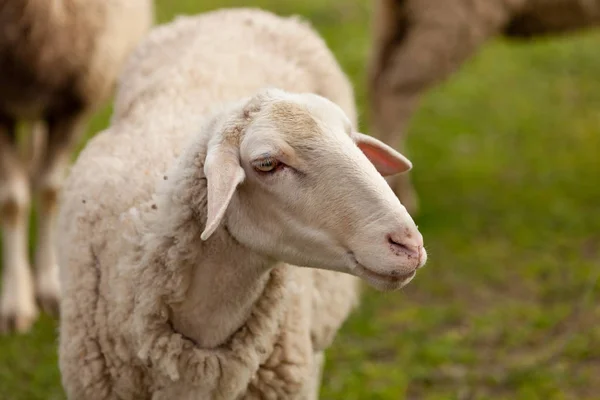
point(58, 62)
point(224, 185)
point(419, 43)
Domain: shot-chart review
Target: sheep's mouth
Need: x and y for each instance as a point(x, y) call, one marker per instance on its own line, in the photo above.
point(388, 280)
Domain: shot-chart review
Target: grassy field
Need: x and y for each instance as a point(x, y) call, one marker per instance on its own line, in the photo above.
point(507, 165)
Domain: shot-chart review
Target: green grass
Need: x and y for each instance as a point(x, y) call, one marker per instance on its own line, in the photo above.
point(506, 164)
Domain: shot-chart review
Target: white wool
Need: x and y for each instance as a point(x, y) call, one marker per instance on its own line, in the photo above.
point(115, 341)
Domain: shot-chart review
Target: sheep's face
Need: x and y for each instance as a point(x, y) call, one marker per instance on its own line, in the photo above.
point(303, 188)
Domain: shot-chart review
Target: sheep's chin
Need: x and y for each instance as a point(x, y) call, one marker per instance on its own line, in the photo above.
point(383, 282)
point(380, 281)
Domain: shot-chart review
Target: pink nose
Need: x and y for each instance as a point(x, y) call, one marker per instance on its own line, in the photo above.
point(409, 245)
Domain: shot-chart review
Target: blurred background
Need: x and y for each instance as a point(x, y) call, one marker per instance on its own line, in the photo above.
point(507, 167)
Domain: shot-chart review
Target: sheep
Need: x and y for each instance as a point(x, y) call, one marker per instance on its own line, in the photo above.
point(59, 61)
point(232, 157)
point(417, 44)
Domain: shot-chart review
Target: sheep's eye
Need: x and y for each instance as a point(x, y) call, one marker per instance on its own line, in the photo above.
point(266, 165)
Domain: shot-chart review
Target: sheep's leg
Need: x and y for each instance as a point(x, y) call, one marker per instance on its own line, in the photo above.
point(17, 304)
point(416, 45)
point(390, 111)
point(36, 143)
point(317, 372)
point(62, 133)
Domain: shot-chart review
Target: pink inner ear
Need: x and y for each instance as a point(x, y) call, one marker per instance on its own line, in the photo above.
point(386, 161)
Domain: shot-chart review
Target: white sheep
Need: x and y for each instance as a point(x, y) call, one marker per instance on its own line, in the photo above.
point(59, 61)
point(180, 222)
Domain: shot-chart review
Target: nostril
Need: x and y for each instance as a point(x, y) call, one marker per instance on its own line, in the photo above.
point(404, 248)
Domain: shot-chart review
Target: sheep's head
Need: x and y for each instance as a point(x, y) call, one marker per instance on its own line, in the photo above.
point(297, 184)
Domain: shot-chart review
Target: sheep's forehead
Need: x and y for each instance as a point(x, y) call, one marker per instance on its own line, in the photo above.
point(308, 121)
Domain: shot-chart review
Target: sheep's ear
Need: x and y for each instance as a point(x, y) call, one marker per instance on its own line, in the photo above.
point(385, 159)
point(223, 174)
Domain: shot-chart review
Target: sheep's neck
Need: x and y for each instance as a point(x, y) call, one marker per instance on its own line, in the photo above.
point(222, 292)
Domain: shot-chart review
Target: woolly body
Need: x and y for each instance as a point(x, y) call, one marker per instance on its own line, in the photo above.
point(116, 340)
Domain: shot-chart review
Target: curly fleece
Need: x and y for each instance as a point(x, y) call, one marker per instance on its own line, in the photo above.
point(130, 228)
